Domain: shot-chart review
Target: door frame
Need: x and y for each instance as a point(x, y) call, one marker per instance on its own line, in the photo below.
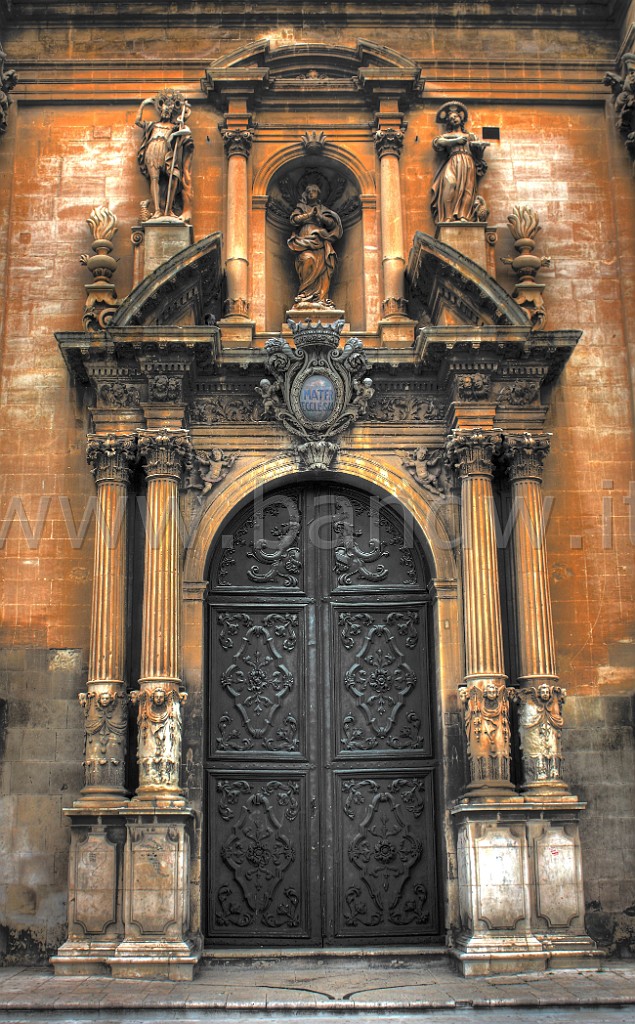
point(446, 646)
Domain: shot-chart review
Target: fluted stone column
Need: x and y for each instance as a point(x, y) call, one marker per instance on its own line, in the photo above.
point(105, 702)
point(484, 694)
point(159, 697)
point(538, 697)
point(237, 148)
point(389, 143)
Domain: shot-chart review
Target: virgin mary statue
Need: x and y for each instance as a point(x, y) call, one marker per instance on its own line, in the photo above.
point(316, 228)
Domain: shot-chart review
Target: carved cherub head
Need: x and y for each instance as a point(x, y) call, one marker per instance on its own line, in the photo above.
point(312, 193)
point(544, 692)
point(490, 691)
point(159, 696)
point(105, 697)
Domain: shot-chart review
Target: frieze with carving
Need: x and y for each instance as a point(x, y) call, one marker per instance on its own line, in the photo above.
point(386, 885)
point(259, 866)
point(383, 706)
point(118, 394)
point(472, 387)
point(318, 390)
point(225, 409)
point(265, 545)
point(260, 710)
point(520, 392)
point(404, 409)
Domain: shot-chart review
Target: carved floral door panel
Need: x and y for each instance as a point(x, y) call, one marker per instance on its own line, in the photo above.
point(320, 769)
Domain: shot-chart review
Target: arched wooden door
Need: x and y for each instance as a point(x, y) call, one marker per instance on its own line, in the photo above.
point(320, 824)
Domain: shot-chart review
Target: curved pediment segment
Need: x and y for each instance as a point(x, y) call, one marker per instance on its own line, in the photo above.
point(185, 290)
point(362, 71)
point(448, 288)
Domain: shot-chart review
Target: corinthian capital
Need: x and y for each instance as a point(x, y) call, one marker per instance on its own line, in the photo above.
point(111, 457)
point(388, 142)
point(165, 452)
point(471, 453)
point(525, 454)
point(237, 141)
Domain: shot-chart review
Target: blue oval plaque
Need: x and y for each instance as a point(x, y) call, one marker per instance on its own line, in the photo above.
point(317, 398)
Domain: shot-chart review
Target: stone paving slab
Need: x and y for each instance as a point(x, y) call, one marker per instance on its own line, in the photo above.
point(359, 985)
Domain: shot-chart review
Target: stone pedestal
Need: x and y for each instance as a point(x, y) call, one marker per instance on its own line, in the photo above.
point(520, 888)
point(95, 893)
point(164, 237)
point(472, 239)
point(156, 899)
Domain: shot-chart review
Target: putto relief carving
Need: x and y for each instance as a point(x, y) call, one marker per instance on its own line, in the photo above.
point(429, 468)
point(472, 387)
point(8, 82)
point(318, 390)
point(520, 392)
point(165, 154)
point(454, 195)
point(486, 715)
point(105, 736)
point(540, 726)
point(524, 225)
point(159, 716)
point(119, 395)
point(101, 295)
point(316, 228)
point(203, 470)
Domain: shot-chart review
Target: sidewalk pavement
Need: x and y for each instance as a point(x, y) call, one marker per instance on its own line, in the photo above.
point(382, 984)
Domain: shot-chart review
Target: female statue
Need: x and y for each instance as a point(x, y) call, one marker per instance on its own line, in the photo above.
point(312, 241)
point(454, 187)
point(165, 154)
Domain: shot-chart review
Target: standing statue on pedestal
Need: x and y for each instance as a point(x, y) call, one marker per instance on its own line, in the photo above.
point(454, 187)
point(165, 155)
point(316, 228)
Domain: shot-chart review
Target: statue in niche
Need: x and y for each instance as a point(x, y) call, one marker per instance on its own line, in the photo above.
point(165, 154)
point(454, 187)
point(316, 228)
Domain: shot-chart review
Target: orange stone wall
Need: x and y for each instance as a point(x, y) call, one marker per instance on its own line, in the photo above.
point(72, 145)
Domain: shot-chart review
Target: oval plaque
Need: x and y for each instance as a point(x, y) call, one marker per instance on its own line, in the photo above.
point(317, 398)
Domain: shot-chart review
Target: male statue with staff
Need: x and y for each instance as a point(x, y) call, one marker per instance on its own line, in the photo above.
point(165, 154)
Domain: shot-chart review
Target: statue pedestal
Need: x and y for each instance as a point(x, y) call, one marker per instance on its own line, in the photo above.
point(327, 315)
point(471, 238)
point(163, 238)
point(397, 332)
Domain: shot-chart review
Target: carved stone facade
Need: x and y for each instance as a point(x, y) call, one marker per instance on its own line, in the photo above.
point(323, 621)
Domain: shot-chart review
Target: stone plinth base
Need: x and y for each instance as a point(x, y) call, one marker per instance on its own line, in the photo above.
point(472, 239)
point(129, 895)
point(521, 896)
point(163, 238)
point(236, 332)
point(396, 332)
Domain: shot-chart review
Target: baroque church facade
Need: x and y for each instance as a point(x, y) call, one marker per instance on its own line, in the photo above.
point(317, 539)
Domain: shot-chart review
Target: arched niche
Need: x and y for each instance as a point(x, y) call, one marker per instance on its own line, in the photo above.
point(349, 189)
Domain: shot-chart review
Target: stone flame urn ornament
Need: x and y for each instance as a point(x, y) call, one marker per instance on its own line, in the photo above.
point(101, 295)
point(318, 389)
point(524, 225)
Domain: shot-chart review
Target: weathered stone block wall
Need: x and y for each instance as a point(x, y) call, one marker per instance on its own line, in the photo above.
point(558, 152)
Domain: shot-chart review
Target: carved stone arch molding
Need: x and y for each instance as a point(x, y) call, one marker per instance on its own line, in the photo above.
point(441, 555)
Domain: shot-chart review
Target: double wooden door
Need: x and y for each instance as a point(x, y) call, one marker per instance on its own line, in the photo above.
point(320, 821)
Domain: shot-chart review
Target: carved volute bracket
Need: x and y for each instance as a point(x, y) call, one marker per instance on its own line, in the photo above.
point(111, 458)
point(165, 452)
point(471, 453)
point(237, 141)
point(388, 142)
point(524, 455)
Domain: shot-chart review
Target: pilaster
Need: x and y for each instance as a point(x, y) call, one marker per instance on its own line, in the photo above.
point(395, 326)
point(238, 137)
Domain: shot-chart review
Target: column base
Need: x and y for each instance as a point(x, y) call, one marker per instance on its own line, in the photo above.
point(149, 800)
point(477, 956)
point(170, 961)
